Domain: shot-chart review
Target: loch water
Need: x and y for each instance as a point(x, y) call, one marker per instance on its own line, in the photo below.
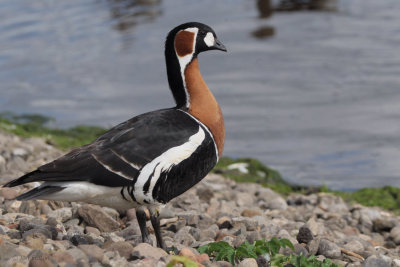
point(309, 87)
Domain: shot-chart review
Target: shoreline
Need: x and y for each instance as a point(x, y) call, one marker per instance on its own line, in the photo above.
point(321, 226)
point(34, 125)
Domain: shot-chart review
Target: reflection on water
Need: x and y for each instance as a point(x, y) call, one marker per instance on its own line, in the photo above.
point(263, 32)
point(264, 11)
point(295, 5)
point(264, 8)
point(128, 13)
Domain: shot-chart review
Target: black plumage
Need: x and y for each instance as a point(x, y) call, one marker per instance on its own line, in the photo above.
point(147, 160)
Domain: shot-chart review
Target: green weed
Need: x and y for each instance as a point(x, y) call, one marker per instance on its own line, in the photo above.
point(268, 249)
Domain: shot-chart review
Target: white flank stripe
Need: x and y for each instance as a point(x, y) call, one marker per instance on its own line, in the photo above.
point(90, 193)
point(133, 165)
point(184, 61)
point(111, 170)
point(205, 127)
point(165, 161)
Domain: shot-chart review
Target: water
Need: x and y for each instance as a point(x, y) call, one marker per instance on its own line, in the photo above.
point(313, 94)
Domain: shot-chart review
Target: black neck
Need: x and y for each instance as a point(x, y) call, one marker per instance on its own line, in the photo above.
point(175, 81)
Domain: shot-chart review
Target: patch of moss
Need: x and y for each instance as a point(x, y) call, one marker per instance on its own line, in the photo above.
point(35, 126)
point(248, 170)
point(387, 197)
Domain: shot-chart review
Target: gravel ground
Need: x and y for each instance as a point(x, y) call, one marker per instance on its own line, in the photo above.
point(48, 233)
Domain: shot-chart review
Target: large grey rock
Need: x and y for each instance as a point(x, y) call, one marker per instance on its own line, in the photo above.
point(395, 235)
point(144, 250)
point(374, 261)
point(93, 252)
point(124, 248)
point(95, 216)
point(329, 249)
point(355, 246)
point(62, 215)
point(277, 204)
point(8, 250)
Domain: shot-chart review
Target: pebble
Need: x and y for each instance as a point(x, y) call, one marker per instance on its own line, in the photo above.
point(62, 215)
point(395, 235)
point(305, 235)
point(124, 248)
point(216, 209)
point(329, 249)
point(95, 216)
point(145, 250)
point(224, 222)
point(249, 262)
point(92, 251)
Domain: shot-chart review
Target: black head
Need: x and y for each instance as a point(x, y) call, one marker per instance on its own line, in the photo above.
point(183, 44)
point(187, 36)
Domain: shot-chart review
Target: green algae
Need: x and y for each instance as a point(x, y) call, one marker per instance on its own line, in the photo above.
point(35, 126)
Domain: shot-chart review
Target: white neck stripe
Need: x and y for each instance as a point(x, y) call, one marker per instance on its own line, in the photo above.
point(185, 60)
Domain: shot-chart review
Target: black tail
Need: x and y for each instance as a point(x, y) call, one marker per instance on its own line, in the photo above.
point(27, 178)
point(39, 191)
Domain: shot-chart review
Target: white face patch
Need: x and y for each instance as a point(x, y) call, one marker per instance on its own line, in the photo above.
point(209, 39)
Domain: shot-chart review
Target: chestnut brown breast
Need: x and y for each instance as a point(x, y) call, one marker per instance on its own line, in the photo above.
point(203, 104)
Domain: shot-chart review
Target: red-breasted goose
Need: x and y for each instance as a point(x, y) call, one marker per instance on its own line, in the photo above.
point(150, 159)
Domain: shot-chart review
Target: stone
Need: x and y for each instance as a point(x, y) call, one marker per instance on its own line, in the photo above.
point(223, 264)
point(395, 235)
point(187, 252)
point(124, 248)
point(329, 249)
point(19, 152)
point(8, 193)
point(354, 246)
point(203, 258)
point(374, 261)
point(305, 235)
point(277, 204)
point(62, 215)
point(249, 223)
point(145, 250)
point(92, 251)
point(224, 222)
point(40, 259)
point(7, 250)
point(184, 237)
point(96, 217)
point(93, 230)
point(300, 250)
point(63, 256)
point(78, 255)
point(33, 242)
point(191, 218)
point(205, 194)
point(78, 240)
point(249, 262)
point(262, 261)
point(250, 213)
point(253, 236)
point(383, 224)
point(396, 263)
point(315, 227)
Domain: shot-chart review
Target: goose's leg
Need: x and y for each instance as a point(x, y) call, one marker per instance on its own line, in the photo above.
point(155, 221)
point(141, 218)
